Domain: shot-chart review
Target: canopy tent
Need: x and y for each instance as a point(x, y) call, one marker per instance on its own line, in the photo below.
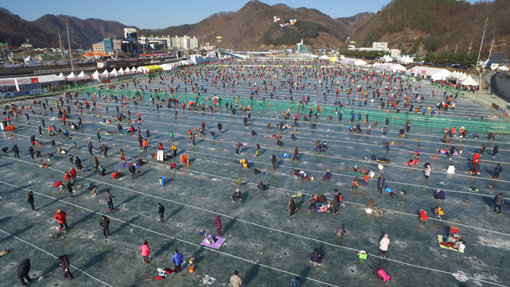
point(61, 76)
point(71, 76)
point(405, 60)
point(352, 61)
point(49, 79)
point(441, 75)
point(82, 76)
point(96, 75)
point(140, 69)
point(386, 58)
point(121, 71)
point(461, 77)
point(105, 74)
point(389, 67)
point(114, 73)
point(133, 70)
point(424, 71)
point(469, 81)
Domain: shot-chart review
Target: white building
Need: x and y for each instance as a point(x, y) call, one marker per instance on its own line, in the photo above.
point(156, 42)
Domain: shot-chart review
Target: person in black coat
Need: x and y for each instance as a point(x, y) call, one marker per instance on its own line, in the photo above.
point(30, 200)
point(105, 225)
point(161, 212)
point(273, 161)
point(64, 264)
point(23, 269)
point(316, 256)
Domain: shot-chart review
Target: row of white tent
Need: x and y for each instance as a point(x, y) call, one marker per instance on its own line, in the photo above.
point(105, 74)
point(438, 74)
point(402, 60)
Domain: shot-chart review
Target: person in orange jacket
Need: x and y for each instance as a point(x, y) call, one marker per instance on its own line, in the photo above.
point(145, 145)
point(61, 218)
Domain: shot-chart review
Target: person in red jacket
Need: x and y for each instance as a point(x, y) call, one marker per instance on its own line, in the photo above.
point(146, 250)
point(67, 177)
point(61, 218)
point(72, 173)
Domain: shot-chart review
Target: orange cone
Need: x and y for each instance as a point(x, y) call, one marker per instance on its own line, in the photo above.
point(187, 162)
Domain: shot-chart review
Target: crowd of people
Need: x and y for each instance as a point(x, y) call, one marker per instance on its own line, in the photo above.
point(293, 84)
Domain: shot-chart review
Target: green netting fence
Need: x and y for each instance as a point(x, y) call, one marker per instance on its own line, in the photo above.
point(277, 107)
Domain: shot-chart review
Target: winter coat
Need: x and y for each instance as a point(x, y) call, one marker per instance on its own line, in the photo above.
point(236, 281)
point(161, 210)
point(384, 243)
point(428, 170)
point(145, 249)
point(61, 217)
point(316, 257)
point(64, 262)
point(218, 222)
point(24, 267)
point(30, 198)
point(177, 259)
point(108, 196)
point(499, 199)
point(381, 182)
point(104, 222)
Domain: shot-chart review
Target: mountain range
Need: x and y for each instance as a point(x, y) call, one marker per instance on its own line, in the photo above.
point(416, 26)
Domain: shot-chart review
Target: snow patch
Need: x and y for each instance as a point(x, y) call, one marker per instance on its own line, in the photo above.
point(208, 280)
point(491, 242)
point(461, 276)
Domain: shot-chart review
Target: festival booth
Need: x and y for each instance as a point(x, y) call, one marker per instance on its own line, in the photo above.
point(396, 68)
point(405, 60)
point(105, 74)
point(469, 82)
point(96, 75)
point(386, 59)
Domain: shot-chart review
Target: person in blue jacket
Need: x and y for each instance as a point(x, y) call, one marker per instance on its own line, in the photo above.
point(177, 259)
point(295, 281)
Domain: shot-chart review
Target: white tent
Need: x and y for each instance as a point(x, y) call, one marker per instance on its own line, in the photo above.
point(405, 60)
point(49, 78)
point(71, 76)
point(82, 76)
point(461, 77)
point(105, 74)
point(386, 59)
point(140, 69)
point(114, 73)
point(423, 71)
point(389, 67)
point(121, 71)
point(96, 75)
point(133, 70)
point(61, 76)
point(469, 81)
point(441, 75)
point(454, 75)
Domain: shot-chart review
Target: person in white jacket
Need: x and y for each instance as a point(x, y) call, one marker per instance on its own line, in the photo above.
point(383, 245)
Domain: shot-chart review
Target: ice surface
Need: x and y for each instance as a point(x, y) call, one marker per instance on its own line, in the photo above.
point(264, 244)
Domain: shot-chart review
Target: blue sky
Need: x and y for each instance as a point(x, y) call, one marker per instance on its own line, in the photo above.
point(164, 13)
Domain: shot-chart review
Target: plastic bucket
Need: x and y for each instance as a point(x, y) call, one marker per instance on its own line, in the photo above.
point(162, 181)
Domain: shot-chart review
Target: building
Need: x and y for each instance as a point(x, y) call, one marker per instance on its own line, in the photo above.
point(301, 47)
point(380, 46)
point(130, 34)
point(377, 46)
point(155, 42)
point(99, 47)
